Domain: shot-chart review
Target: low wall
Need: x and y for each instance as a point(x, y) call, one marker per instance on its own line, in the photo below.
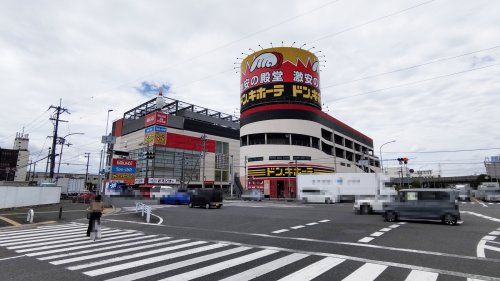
point(23, 196)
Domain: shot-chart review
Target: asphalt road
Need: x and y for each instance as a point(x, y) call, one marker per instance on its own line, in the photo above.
point(262, 240)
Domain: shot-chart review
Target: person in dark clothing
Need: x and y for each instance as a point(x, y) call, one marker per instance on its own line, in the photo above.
point(95, 211)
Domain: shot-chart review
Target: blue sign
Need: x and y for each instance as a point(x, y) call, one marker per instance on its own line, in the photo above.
point(123, 169)
point(155, 128)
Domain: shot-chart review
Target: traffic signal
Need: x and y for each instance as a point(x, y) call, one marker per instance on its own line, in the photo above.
point(403, 160)
point(149, 155)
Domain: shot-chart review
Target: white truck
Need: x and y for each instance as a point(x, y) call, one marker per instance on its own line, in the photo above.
point(488, 191)
point(71, 187)
point(369, 190)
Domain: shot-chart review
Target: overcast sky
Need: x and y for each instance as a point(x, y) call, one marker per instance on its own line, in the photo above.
point(423, 73)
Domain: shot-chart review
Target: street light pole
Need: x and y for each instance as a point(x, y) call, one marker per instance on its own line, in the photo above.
point(63, 142)
point(104, 154)
point(380, 150)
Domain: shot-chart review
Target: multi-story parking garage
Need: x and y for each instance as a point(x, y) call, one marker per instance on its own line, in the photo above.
point(283, 130)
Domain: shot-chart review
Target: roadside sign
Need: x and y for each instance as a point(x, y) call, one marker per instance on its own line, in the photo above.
point(108, 139)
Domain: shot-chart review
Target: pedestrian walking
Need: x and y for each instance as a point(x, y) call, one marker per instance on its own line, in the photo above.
point(94, 214)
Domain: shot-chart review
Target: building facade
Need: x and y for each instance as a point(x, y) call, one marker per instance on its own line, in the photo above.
point(14, 162)
point(284, 131)
point(492, 165)
point(175, 143)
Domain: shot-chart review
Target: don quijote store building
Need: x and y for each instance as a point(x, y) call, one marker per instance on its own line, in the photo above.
point(169, 142)
point(283, 130)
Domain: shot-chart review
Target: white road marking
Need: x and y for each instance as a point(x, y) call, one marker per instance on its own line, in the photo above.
point(496, 249)
point(489, 238)
point(481, 215)
point(99, 255)
point(70, 238)
point(177, 265)
point(86, 242)
point(40, 236)
point(494, 233)
point(165, 257)
point(311, 223)
point(366, 239)
point(136, 255)
point(40, 228)
point(50, 240)
point(402, 222)
point(394, 226)
point(114, 240)
point(38, 231)
point(297, 227)
point(385, 229)
point(369, 271)
point(280, 231)
point(144, 241)
point(324, 221)
point(219, 266)
point(377, 234)
point(10, 258)
point(314, 270)
point(417, 275)
point(266, 268)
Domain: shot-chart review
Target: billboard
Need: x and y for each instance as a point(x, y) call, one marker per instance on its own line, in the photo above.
point(155, 135)
point(282, 74)
point(285, 171)
point(156, 118)
point(123, 170)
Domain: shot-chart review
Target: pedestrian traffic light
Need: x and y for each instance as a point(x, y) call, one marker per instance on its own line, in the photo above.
point(405, 160)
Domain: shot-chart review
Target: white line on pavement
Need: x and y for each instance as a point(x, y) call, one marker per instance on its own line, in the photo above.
point(219, 266)
point(324, 221)
point(312, 271)
point(297, 227)
point(377, 234)
point(311, 223)
point(280, 231)
point(367, 272)
point(366, 239)
point(177, 265)
point(14, 257)
point(417, 275)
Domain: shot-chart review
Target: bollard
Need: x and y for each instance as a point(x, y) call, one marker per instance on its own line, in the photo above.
point(31, 215)
point(60, 212)
point(136, 207)
point(148, 214)
point(142, 209)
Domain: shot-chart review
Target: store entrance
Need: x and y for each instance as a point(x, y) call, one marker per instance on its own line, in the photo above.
point(280, 189)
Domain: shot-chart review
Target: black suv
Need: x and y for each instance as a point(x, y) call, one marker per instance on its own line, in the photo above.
point(424, 204)
point(206, 197)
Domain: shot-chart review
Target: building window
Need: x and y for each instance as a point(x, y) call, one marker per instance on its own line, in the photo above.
point(301, 140)
point(274, 138)
point(327, 135)
point(308, 158)
point(256, 139)
point(326, 148)
point(243, 141)
point(314, 142)
point(279, 157)
point(254, 159)
point(342, 164)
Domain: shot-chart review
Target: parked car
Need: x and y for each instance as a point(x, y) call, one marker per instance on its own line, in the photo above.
point(424, 204)
point(85, 197)
point(252, 195)
point(206, 197)
point(179, 197)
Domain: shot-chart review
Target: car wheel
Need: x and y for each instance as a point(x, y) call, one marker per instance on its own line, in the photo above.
point(390, 216)
point(207, 206)
point(364, 209)
point(218, 206)
point(449, 219)
point(190, 205)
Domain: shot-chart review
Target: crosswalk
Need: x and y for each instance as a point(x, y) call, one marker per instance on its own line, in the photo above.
point(133, 255)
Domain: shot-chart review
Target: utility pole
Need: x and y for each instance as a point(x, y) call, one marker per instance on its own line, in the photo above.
point(87, 155)
point(34, 171)
point(47, 165)
point(57, 114)
point(204, 151)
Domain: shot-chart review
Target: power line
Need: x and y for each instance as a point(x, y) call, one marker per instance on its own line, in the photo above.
point(415, 82)
point(445, 151)
point(409, 67)
point(370, 21)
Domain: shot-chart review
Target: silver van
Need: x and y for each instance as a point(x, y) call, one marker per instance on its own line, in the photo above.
point(424, 204)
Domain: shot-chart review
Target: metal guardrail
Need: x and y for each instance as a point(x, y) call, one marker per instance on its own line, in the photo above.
point(144, 209)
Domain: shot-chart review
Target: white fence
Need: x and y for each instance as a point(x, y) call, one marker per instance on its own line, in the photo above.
point(23, 196)
point(144, 209)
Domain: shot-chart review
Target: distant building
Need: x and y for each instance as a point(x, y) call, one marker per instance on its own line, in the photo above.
point(14, 162)
point(40, 177)
point(492, 165)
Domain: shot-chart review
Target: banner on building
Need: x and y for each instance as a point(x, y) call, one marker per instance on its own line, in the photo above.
point(283, 172)
point(155, 135)
point(162, 181)
point(123, 170)
point(156, 118)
